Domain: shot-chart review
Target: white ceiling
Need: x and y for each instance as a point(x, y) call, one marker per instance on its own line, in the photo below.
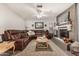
point(28, 10)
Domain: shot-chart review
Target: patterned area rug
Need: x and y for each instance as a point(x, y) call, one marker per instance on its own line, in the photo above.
point(53, 50)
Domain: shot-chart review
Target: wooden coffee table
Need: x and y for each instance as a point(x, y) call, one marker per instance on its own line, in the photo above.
point(6, 45)
point(41, 42)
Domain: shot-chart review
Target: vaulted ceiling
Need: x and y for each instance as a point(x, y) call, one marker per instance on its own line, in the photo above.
point(28, 10)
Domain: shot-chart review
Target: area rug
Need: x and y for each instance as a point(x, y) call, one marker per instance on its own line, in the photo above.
point(30, 50)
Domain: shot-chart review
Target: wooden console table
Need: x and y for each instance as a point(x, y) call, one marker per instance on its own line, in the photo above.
point(6, 45)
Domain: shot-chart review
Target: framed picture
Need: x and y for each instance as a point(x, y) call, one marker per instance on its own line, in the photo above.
point(39, 25)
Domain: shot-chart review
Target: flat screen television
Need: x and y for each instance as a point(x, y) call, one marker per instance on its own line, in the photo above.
point(39, 25)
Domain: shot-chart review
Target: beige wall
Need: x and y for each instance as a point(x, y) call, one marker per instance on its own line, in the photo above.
point(9, 20)
point(73, 33)
point(78, 20)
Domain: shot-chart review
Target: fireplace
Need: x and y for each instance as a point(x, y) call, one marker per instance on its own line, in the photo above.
point(64, 33)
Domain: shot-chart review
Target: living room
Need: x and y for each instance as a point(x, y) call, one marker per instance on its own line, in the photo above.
point(37, 29)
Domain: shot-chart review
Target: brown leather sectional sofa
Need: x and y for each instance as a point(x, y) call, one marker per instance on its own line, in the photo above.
point(20, 37)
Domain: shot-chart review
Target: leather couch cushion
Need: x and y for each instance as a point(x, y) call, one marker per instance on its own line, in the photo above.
point(13, 37)
point(17, 36)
